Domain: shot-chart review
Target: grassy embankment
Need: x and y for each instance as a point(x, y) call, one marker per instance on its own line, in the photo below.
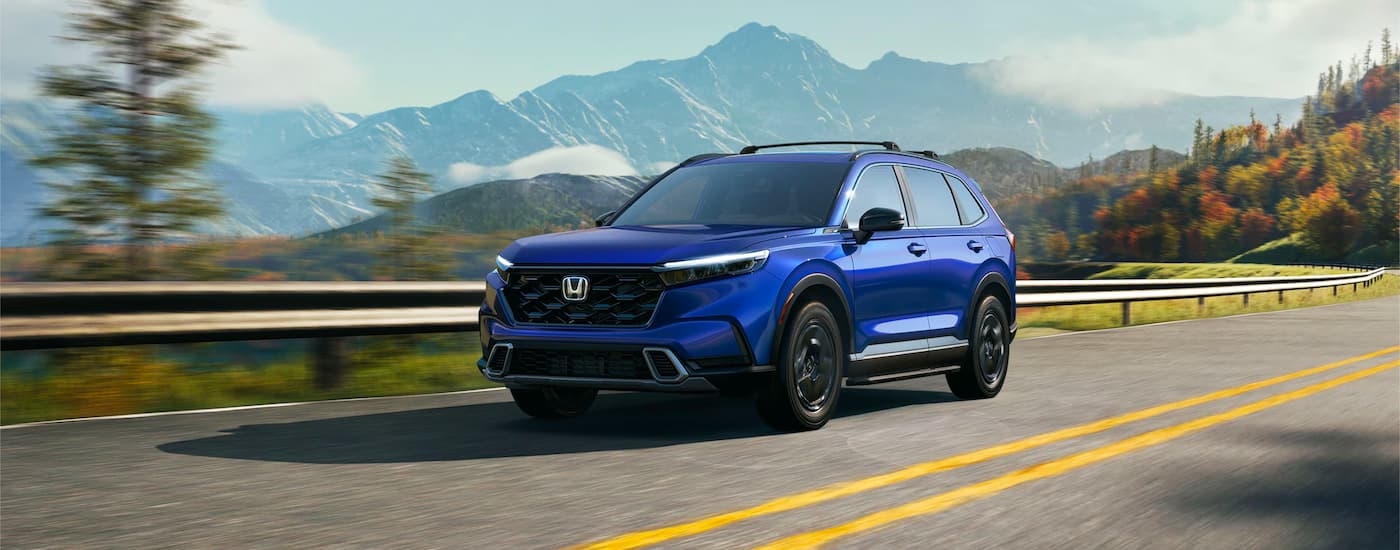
point(136, 379)
point(1051, 320)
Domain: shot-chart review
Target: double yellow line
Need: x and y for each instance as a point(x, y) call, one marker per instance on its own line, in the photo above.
point(944, 501)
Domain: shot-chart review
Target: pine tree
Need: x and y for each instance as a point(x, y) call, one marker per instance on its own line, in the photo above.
point(131, 159)
point(1198, 142)
point(1387, 50)
point(1152, 161)
point(410, 251)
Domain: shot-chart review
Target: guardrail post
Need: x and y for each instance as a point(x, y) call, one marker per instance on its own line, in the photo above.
point(1127, 313)
point(1280, 296)
point(1200, 305)
point(1334, 290)
point(1246, 299)
point(1353, 288)
point(330, 360)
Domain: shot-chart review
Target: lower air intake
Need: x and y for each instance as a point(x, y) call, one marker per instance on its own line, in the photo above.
point(664, 364)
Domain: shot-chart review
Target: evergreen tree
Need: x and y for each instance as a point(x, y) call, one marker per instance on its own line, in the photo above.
point(410, 251)
point(1387, 50)
point(131, 159)
point(1197, 142)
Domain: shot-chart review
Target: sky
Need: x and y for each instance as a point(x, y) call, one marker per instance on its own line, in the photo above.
point(366, 56)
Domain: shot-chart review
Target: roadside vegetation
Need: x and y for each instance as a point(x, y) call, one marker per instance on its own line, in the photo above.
point(134, 379)
point(1145, 270)
point(1050, 320)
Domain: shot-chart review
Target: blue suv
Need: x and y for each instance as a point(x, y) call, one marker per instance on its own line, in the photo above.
point(784, 274)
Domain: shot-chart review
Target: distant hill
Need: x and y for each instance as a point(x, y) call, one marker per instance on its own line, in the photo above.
point(1002, 171)
point(542, 202)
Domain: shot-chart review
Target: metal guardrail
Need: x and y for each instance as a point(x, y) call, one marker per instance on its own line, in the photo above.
point(54, 315)
point(1042, 294)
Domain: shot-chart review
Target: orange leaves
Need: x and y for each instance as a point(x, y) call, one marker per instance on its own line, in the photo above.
point(1256, 227)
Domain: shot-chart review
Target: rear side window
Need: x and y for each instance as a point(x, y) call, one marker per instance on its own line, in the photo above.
point(933, 202)
point(968, 206)
point(876, 188)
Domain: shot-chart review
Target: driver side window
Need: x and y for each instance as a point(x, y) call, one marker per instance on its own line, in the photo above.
point(877, 187)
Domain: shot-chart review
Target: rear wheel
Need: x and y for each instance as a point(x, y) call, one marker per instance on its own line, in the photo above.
point(811, 363)
point(983, 371)
point(553, 402)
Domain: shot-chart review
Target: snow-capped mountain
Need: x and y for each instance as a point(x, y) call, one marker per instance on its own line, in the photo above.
point(758, 84)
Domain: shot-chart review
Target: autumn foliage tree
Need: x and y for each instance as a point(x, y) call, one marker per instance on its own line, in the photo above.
point(1330, 183)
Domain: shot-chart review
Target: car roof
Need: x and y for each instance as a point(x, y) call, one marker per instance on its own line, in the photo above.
point(842, 157)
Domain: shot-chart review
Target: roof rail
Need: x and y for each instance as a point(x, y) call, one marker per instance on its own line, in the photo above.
point(749, 149)
point(700, 157)
point(917, 154)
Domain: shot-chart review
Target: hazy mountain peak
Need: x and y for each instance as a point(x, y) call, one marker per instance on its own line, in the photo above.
point(756, 41)
point(478, 98)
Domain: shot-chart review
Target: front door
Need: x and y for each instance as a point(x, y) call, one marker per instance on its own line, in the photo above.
point(889, 275)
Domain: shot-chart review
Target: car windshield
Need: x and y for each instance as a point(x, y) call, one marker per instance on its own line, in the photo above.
point(740, 193)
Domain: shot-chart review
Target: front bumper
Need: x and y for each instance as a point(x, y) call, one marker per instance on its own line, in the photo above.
point(680, 357)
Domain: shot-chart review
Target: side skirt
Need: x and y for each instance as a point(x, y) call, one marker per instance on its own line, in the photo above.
point(881, 379)
point(892, 366)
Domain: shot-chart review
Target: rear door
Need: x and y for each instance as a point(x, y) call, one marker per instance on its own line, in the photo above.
point(889, 279)
point(956, 251)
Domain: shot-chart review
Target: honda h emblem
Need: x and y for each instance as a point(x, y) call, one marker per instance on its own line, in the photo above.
point(575, 288)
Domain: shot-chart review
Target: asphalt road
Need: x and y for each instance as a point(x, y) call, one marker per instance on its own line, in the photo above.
point(1316, 467)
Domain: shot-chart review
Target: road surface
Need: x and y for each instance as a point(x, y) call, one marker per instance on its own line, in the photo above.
point(1315, 464)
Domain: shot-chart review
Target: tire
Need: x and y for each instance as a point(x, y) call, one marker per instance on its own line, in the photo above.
point(983, 371)
point(810, 369)
point(553, 402)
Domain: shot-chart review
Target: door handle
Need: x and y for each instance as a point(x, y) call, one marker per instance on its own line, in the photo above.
point(974, 246)
point(917, 249)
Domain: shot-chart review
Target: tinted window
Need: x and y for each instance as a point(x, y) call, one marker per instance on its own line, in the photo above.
point(877, 187)
point(740, 193)
point(967, 204)
point(933, 202)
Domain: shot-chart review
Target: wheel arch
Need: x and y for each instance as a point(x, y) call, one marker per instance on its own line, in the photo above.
point(815, 286)
point(992, 283)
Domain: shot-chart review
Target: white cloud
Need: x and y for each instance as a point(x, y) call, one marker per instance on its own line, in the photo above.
point(1264, 48)
point(592, 160)
point(277, 65)
point(659, 167)
point(466, 172)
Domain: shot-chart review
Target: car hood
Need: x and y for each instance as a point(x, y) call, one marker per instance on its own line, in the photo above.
point(640, 245)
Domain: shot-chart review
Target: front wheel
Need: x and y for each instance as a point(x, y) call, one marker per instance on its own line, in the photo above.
point(983, 370)
point(553, 402)
point(811, 363)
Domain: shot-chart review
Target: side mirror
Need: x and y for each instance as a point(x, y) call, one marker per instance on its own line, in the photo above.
point(878, 219)
point(603, 219)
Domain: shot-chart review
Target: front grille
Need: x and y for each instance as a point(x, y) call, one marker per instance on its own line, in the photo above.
point(628, 365)
point(615, 298)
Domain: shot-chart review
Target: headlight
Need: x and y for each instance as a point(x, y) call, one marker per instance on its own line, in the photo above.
point(674, 273)
point(502, 266)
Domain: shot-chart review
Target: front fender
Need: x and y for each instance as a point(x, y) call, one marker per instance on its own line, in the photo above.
point(813, 273)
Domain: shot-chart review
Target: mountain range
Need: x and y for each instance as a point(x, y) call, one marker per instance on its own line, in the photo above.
point(304, 170)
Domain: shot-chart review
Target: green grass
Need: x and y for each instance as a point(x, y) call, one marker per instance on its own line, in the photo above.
point(1045, 320)
point(109, 381)
point(1131, 270)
